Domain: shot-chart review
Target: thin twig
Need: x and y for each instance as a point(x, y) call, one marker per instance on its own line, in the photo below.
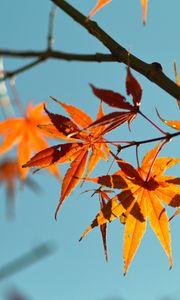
point(51, 27)
point(49, 53)
point(154, 158)
point(137, 143)
point(10, 74)
point(168, 137)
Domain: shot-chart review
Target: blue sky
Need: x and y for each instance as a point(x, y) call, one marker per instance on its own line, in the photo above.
point(78, 270)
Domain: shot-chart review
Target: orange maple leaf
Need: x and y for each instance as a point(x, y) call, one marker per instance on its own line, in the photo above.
point(103, 200)
point(101, 3)
point(144, 4)
point(80, 142)
point(23, 131)
point(171, 123)
point(98, 6)
point(143, 191)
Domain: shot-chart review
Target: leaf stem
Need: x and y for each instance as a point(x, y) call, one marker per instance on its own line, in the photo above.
point(157, 153)
point(152, 123)
point(50, 37)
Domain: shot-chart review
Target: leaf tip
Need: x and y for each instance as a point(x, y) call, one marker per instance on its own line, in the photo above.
point(54, 99)
point(124, 273)
point(56, 211)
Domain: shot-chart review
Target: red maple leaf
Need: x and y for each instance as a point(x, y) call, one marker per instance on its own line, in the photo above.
point(116, 100)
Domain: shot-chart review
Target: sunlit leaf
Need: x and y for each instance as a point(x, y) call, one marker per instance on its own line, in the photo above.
point(143, 192)
point(24, 133)
point(133, 88)
point(144, 4)
point(98, 6)
point(84, 147)
point(172, 123)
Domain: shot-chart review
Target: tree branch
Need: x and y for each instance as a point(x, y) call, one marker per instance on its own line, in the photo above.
point(10, 74)
point(47, 54)
point(50, 54)
point(151, 71)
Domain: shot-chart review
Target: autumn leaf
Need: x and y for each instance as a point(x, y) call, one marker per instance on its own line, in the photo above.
point(144, 190)
point(144, 4)
point(98, 6)
point(24, 133)
point(177, 212)
point(101, 3)
point(116, 100)
point(133, 88)
point(84, 148)
point(172, 123)
point(103, 200)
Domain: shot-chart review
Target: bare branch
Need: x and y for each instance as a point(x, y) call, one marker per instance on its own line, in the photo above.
point(10, 74)
point(151, 71)
point(53, 54)
point(50, 54)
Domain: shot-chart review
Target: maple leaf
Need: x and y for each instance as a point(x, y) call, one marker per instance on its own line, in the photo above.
point(143, 191)
point(103, 200)
point(76, 151)
point(24, 133)
point(113, 99)
point(144, 4)
point(98, 6)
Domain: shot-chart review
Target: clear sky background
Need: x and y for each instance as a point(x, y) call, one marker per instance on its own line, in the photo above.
point(78, 270)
